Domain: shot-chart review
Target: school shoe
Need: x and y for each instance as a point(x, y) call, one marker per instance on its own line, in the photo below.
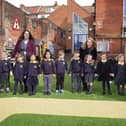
point(7, 90)
point(57, 91)
point(103, 93)
point(1, 90)
point(62, 91)
point(48, 93)
point(14, 93)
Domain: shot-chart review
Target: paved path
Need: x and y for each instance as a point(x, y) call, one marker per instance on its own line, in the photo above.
point(83, 108)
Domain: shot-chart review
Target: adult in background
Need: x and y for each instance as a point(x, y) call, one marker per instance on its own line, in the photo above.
point(89, 47)
point(26, 47)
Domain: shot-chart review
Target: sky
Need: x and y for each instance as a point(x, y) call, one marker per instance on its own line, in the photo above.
point(47, 2)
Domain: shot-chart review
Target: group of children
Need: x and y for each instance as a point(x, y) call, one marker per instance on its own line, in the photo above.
point(104, 69)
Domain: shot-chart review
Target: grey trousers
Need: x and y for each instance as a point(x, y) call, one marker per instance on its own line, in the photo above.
point(47, 83)
point(76, 82)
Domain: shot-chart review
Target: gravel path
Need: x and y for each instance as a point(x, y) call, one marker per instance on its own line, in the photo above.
point(82, 108)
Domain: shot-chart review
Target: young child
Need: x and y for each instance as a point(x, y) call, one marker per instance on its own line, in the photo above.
point(61, 66)
point(120, 74)
point(5, 69)
point(48, 68)
point(33, 71)
point(74, 69)
point(104, 72)
point(87, 71)
point(19, 72)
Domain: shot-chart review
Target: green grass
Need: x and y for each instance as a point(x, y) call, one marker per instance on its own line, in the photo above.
point(97, 94)
point(45, 120)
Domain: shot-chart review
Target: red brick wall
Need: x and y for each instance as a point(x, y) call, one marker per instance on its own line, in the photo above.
point(109, 15)
point(109, 18)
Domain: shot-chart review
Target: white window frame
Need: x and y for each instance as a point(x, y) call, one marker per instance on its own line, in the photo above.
point(103, 45)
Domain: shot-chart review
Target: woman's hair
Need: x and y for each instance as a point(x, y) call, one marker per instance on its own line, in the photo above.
point(84, 45)
point(22, 35)
point(47, 51)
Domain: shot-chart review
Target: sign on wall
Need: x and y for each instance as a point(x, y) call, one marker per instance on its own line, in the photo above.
point(16, 24)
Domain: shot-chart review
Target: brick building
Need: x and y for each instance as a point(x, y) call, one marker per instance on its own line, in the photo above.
point(8, 35)
point(48, 23)
point(110, 25)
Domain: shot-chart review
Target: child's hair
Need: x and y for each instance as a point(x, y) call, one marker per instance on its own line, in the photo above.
point(18, 55)
point(103, 53)
point(47, 51)
point(32, 56)
point(119, 56)
point(75, 52)
point(60, 53)
point(86, 57)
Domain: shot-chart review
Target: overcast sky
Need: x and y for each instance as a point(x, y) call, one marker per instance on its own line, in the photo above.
point(47, 2)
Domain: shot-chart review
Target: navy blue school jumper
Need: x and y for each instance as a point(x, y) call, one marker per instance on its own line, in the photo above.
point(19, 72)
point(103, 70)
point(61, 67)
point(88, 71)
point(5, 68)
point(120, 77)
point(32, 81)
point(75, 68)
point(48, 68)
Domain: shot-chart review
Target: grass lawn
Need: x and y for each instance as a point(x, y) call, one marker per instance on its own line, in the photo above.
point(96, 95)
point(45, 120)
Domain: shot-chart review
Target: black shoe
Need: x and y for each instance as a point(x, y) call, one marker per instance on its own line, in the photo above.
point(103, 93)
point(14, 93)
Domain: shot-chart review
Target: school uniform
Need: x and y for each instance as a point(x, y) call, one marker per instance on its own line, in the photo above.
point(103, 70)
point(5, 67)
point(88, 72)
point(19, 72)
point(48, 68)
point(61, 67)
point(120, 77)
point(74, 69)
point(33, 71)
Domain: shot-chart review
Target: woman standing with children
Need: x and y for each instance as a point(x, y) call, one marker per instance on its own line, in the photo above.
point(88, 48)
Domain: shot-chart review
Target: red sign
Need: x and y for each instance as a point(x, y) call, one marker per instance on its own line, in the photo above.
point(16, 24)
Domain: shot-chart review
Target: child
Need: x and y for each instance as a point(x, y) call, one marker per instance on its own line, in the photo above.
point(19, 72)
point(120, 74)
point(5, 69)
point(48, 68)
point(88, 72)
point(33, 71)
point(74, 69)
point(104, 71)
point(61, 66)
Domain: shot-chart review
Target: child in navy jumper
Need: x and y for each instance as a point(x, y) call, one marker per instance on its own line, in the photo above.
point(87, 71)
point(33, 71)
point(48, 68)
point(74, 69)
point(104, 72)
point(61, 67)
point(5, 69)
point(120, 74)
point(19, 72)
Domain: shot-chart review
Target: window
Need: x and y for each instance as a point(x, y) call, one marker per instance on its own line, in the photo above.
point(103, 46)
point(124, 13)
point(47, 10)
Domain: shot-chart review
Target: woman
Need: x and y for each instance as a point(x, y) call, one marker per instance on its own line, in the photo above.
point(88, 48)
point(25, 45)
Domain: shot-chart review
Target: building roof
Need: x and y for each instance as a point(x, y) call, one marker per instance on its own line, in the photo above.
point(37, 9)
point(89, 9)
point(62, 16)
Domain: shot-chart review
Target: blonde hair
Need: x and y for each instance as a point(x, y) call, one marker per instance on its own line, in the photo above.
point(92, 40)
